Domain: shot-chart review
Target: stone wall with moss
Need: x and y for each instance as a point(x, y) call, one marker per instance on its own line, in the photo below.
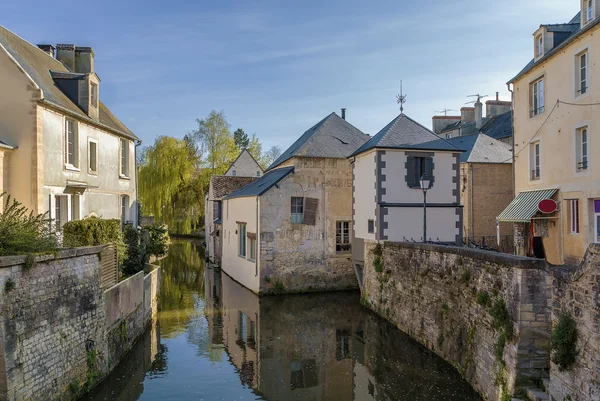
point(488, 314)
point(577, 294)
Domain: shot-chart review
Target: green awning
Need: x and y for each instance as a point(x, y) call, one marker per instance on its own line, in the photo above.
point(525, 206)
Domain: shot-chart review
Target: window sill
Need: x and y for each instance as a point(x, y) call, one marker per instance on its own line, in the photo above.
point(581, 96)
point(252, 260)
point(92, 172)
point(123, 177)
point(70, 167)
point(242, 257)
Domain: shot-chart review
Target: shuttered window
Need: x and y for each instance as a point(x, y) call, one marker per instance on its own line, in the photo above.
point(416, 167)
point(310, 211)
point(303, 210)
point(297, 210)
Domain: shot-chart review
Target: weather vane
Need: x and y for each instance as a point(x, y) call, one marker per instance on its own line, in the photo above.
point(401, 99)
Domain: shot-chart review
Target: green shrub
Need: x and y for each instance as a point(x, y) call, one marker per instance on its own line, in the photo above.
point(465, 276)
point(135, 261)
point(378, 265)
point(564, 342)
point(501, 318)
point(23, 232)
point(94, 231)
point(499, 347)
point(156, 240)
point(483, 298)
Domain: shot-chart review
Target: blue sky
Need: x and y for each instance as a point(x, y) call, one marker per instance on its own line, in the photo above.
point(278, 67)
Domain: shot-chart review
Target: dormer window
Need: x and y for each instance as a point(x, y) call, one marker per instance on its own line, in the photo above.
point(588, 10)
point(94, 94)
point(539, 45)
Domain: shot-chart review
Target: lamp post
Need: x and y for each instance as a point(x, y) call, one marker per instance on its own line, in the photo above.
point(425, 182)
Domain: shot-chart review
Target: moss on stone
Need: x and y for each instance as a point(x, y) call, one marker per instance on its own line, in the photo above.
point(9, 285)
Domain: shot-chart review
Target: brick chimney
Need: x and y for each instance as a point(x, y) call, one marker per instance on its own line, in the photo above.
point(438, 123)
point(496, 107)
point(478, 113)
point(84, 59)
point(66, 55)
point(467, 114)
point(48, 49)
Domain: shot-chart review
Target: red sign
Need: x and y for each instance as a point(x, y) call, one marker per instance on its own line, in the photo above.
point(547, 206)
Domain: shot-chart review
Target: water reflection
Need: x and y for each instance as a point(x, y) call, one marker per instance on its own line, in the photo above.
point(219, 341)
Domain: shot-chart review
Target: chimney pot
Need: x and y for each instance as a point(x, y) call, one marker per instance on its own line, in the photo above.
point(497, 95)
point(344, 113)
point(49, 49)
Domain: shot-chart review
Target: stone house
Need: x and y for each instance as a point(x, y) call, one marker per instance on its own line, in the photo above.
point(70, 157)
point(242, 171)
point(289, 230)
point(554, 141)
point(496, 123)
point(387, 198)
point(486, 186)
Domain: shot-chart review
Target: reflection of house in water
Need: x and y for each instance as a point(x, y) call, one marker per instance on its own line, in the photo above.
point(323, 347)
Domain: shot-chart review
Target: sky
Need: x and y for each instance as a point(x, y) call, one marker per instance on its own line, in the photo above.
point(278, 67)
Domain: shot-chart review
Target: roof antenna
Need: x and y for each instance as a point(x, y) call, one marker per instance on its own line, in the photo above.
point(445, 111)
point(401, 99)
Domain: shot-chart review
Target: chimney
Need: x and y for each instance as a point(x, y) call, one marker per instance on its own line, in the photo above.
point(467, 114)
point(66, 55)
point(49, 49)
point(84, 60)
point(438, 123)
point(344, 113)
point(478, 113)
point(496, 107)
point(497, 96)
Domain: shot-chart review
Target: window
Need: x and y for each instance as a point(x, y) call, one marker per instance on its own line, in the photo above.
point(124, 208)
point(94, 94)
point(574, 215)
point(582, 149)
point(448, 136)
point(371, 226)
point(216, 210)
point(242, 240)
point(535, 160)
point(75, 207)
point(589, 10)
point(258, 173)
point(539, 45)
point(537, 97)
point(342, 236)
point(418, 167)
point(342, 344)
point(71, 144)
point(234, 173)
point(93, 156)
point(252, 244)
point(297, 210)
point(596, 220)
point(124, 165)
point(60, 210)
point(581, 68)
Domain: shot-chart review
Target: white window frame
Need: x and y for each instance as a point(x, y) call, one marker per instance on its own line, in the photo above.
point(539, 45)
point(94, 94)
point(343, 232)
point(71, 159)
point(75, 207)
point(582, 73)
point(252, 246)
point(124, 208)
point(95, 142)
point(242, 240)
point(535, 161)
point(124, 158)
point(297, 211)
point(596, 237)
point(537, 97)
point(588, 8)
point(582, 149)
point(574, 221)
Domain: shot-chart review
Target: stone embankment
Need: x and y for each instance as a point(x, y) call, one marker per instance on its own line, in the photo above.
point(491, 315)
point(61, 332)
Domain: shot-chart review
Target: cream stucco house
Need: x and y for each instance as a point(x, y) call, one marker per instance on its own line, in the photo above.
point(387, 197)
point(555, 119)
point(289, 230)
point(70, 156)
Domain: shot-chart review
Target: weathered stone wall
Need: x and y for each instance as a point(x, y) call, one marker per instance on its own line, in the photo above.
point(578, 293)
point(56, 337)
point(302, 257)
point(443, 296)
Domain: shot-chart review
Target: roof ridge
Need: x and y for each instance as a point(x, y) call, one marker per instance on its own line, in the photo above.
point(430, 131)
point(28, 42)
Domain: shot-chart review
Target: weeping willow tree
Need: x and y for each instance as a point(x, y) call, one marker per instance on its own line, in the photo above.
point(168, 168)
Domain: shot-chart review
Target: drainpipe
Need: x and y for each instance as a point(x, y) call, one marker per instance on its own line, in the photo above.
point(257, 249)
point(137, 200)
point(512, 101)
point(472, 208)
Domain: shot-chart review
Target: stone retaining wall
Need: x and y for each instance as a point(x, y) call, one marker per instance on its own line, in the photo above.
point(444, 297)
point(60, 332)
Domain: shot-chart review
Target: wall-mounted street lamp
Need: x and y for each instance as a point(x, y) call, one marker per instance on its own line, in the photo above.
point(425, 182)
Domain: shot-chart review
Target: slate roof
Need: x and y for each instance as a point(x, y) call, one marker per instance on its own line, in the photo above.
point(223, 185)
point(331, 137)
point(500, 126)
point(38, 65)
point(480, 148)
point(262, 184)
point(575, 24)
point(405, 133)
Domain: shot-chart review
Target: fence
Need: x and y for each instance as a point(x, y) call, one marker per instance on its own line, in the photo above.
point(490, 243)
point(109, 266)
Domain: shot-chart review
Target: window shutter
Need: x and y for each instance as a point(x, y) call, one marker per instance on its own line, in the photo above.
point(310, 211)
point(429, 170)
point(410, 171)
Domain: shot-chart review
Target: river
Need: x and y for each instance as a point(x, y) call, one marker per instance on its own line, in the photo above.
point(214, 340)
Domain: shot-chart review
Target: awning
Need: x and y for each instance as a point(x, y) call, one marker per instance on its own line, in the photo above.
point(525, 206)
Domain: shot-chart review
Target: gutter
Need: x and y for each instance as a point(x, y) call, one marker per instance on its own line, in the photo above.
point(137, 199)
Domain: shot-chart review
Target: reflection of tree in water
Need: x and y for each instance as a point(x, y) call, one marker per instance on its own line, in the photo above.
point(159, 365)
point(182, 284)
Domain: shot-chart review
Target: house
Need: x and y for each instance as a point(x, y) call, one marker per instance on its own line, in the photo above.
point(497, 122)
point(289, 230)
point(554, 123)
point(387, 196)
point(242, 171)
point(70, 157)
point(5, 152)
point(486, 187)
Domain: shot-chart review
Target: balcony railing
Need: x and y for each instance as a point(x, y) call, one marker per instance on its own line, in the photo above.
point(535, 174)
point(582, 166)
point(537, 111)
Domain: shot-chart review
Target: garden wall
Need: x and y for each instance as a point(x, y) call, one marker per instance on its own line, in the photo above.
point(61, 332)
point(486, 313)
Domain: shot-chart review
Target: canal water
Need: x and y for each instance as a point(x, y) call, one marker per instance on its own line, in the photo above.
point(215, 340)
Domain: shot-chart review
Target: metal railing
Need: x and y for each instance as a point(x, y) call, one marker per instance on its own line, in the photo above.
point(535, 174)
point(490, 243)
point(582, 166)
